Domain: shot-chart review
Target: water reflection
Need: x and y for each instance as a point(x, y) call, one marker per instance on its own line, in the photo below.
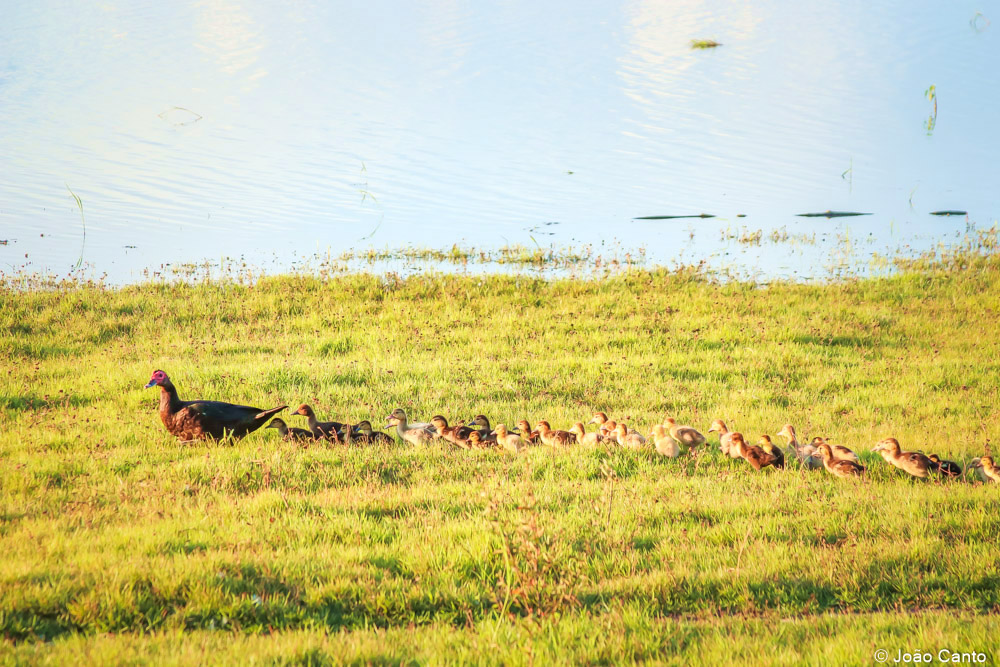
point(221, 129)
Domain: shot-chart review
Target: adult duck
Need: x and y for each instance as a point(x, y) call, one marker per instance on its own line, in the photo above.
point(686, 436)
point(725, 438)
point(290, 434)
point(664, 444)
point(912, 463)
point(554, 438)
point(839, 467)
point(200, 420)
point(320, 430)
point(417, 434)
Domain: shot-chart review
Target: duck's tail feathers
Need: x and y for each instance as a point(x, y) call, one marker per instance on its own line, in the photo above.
point(267, 413)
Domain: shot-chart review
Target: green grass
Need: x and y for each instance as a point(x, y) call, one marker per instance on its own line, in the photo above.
point(121, 544)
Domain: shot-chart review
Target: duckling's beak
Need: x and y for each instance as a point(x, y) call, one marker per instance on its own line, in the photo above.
point(590, 422)
point(493, 432)
point(515, 430)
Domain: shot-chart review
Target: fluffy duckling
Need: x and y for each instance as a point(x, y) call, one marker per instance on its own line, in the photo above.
point(686, 436)
point(528, 435)
point(290, 434)
point(725, 438)
point(755, 456)
point(778, 457)
point(363, 434)
point(554, 438)
point(663, 443)
point(450, 433)
point(946, 468)
point(913, 463)
point(476, 441)
point(601, 420)
point(839, 467)
point(585, 438)
point(413, 434)
point(320, 430)
point(988, 471)
point(806, 453)
point(510, 441)
point(977, 465)
point(627, 438)
point(839, 451)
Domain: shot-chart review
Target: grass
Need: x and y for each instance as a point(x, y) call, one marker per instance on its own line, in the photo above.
point(704, 44)
point(122, 545)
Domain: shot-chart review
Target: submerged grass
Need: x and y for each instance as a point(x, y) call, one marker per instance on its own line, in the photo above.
point(121, 544)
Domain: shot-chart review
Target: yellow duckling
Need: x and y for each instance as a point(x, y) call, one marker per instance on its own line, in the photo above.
point(913, 463)
point(777, 457)
point(686, 436)
point(725, 439)
point(664, 444)
point(987, 470)
point(585, 438)
point(627, 438)
point(839, 467)
point(509, 441)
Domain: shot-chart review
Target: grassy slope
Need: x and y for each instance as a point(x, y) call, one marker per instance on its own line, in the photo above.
point(109, 526)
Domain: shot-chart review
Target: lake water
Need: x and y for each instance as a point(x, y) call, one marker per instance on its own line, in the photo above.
point(273, 132)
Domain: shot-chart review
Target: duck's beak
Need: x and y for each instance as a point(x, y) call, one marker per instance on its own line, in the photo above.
point(151, 383)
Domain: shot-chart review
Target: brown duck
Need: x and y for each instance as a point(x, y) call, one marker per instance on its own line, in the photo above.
point(290, 434)
point(839, 467)
point(554, 438)
point(529, 436)
point(320, 430)
point(757, 457)
point(453, 434)
point(914, 463)
point(201, 420)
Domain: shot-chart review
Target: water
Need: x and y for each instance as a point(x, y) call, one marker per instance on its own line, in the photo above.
point(270, 133)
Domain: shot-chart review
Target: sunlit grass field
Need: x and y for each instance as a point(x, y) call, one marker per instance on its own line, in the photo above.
point(121, 544)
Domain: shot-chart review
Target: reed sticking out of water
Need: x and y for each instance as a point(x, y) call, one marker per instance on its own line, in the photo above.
point(79, 205)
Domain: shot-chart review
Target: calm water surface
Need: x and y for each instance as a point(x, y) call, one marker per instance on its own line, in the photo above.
point(272, 132)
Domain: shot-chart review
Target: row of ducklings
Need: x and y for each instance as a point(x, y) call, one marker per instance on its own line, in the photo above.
point(667, 439)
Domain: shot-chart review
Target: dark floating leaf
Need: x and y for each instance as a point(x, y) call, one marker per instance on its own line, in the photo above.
point(704, 44)
point(672, 217)
point(949, 213)
point(741, 215)
point(831, 214)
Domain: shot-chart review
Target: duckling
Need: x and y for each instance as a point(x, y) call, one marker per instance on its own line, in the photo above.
point(839, 467)
point(413, 434)
point(686, 436)
point(806, 453)
point(510, 441)
point(778, 457)
point(290, 434)
point(554, 438)
point(363, 434)
point(320, 430)
point(601, 420)
point(663, 443)
point(627, 438)
point(914, 463)
point(450, 433)
point(946, 468)
point(755, 456)
point(476, 441)
point(483, 423)
point(585, 438)
point(839, 451)
point(725, 438)
point(529, 436)
point(987, 470)
point(977, 465)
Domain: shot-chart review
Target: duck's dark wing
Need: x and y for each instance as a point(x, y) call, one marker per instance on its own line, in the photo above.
point(218, 419)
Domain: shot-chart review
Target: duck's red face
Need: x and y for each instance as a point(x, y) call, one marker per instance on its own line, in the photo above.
point(159, 377)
